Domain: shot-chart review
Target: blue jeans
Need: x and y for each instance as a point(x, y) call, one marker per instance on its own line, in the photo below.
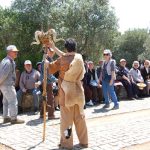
point(36, 97)
point(109, 91)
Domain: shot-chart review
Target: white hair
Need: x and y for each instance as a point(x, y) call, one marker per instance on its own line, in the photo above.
point(135, 62)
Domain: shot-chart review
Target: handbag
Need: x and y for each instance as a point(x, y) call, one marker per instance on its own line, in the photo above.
point(94, 82)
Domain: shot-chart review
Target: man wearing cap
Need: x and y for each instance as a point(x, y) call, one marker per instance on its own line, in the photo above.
point(27, 85)
point(124, 77)
point(7, 86)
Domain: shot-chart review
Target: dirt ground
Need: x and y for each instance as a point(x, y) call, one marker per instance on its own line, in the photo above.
point(3, 147)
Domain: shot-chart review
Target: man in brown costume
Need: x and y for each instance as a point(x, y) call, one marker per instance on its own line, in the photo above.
point(71, 94)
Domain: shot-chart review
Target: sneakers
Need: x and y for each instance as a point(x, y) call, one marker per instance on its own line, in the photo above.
point(106, 106)
point(35, 111)
point(90, 103)
point(95, 102)
point(136, 97)
point(115, 107)
point(131, 98)
point(17, 121)
point(7, 120)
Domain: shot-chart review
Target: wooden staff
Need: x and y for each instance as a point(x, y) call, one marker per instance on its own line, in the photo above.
point(44, 94)
point(44, 39)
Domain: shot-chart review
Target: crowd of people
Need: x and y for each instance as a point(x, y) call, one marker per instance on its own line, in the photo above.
point(95, 77)
point(78, 81)
point(135, 80)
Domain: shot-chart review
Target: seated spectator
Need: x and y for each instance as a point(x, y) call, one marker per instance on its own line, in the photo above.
point(27, 85)
point(38, 65)
point(93, 85)
point(99, 68)
point(50, 80)
point(124, 77)
point(17, 79)
point(1, 100)
point(145, 71)
point(55, 92)
point(87, 91)
point(136, 77)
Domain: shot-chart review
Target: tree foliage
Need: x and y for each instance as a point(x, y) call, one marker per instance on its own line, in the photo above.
point(146, 53)
point(130, 45)
point(92, 23)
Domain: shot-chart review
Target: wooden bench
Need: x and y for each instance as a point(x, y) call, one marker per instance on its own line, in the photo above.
point(120, 91)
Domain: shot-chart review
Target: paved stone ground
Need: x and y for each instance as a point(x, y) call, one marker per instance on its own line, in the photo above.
point(105, 136)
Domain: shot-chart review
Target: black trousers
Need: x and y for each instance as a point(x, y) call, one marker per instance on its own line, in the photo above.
point(131, 89)
point(1, 100)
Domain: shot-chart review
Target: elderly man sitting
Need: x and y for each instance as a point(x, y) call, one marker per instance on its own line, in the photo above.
point(136, 77)
point(27, 85)
point(124, 77)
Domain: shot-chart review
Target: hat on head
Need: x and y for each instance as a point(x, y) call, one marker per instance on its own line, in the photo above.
point(12, 48)
point(27, 62)
point(38, 63)
point(107, 51)
point(121, 60)
point(90, 62)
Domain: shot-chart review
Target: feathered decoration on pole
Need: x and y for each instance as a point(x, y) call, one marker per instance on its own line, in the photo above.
point(45, 38)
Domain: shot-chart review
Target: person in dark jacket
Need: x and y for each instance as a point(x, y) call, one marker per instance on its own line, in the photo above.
point(93, 84)
point(124, 77)
point(145, 72)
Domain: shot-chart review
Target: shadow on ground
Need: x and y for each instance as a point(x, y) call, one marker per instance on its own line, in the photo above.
point(35, 122)
point(101, 110)
point(33, 147)
point(2, 125)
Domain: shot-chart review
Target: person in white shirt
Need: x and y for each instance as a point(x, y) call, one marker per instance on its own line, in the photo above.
point(136, 77)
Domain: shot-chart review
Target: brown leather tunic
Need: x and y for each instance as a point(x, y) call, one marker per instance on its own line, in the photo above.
point(62, 65)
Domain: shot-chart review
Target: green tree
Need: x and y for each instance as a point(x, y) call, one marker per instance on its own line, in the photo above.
point(92, 23)
point(130, 45)
point(146, 53)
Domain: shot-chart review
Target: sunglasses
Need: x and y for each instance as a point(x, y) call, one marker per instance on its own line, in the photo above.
point(105, 54)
